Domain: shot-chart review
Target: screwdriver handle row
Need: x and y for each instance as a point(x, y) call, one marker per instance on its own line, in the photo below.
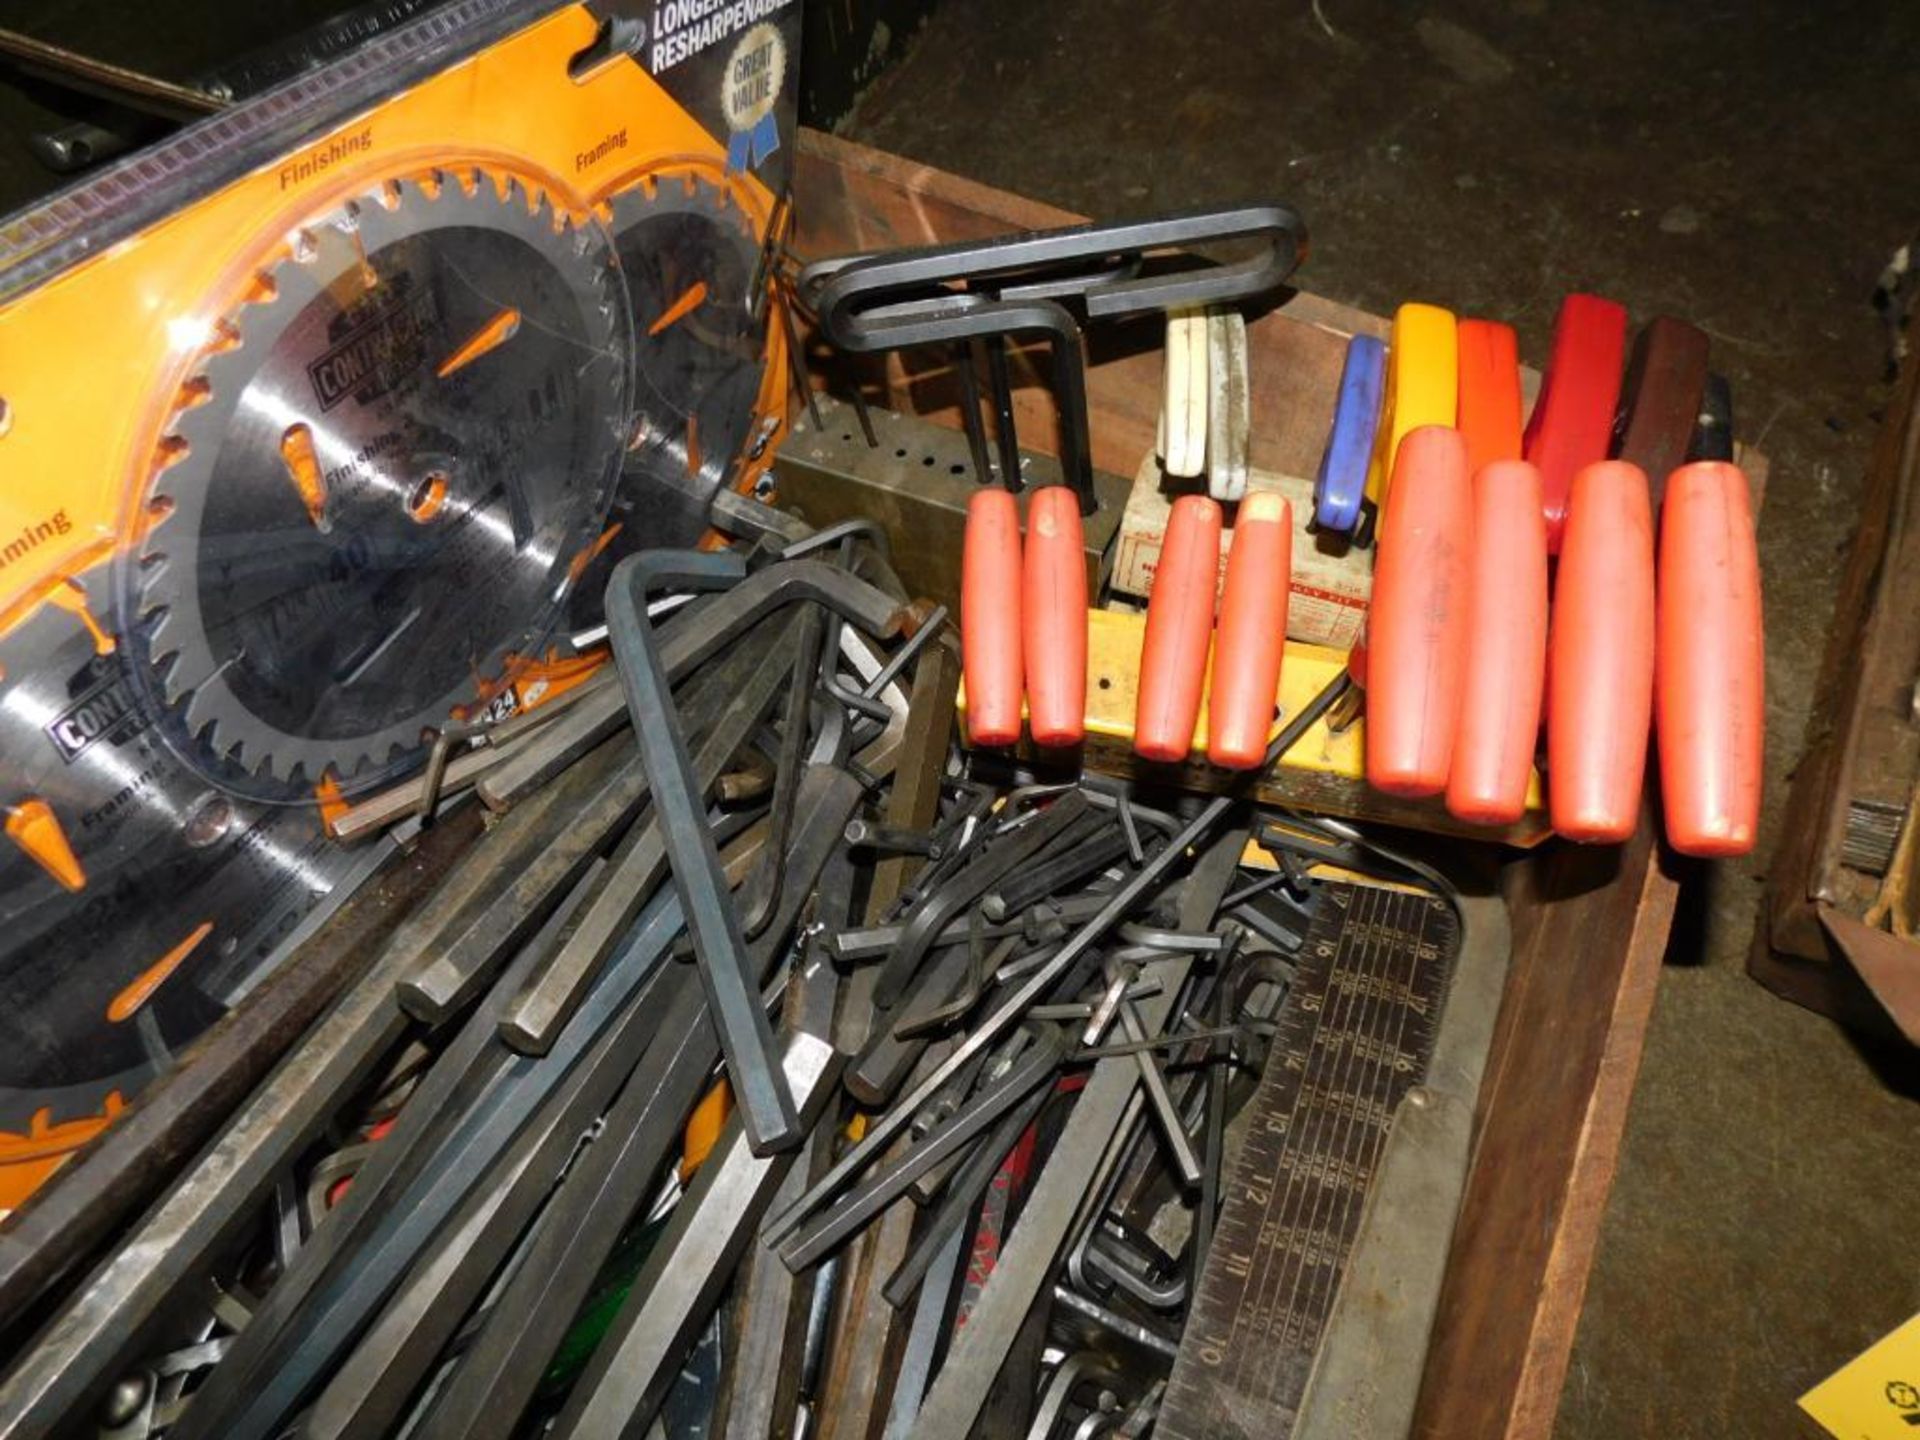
point(1459, 642)
point(1023, 617)
point(1246, 647)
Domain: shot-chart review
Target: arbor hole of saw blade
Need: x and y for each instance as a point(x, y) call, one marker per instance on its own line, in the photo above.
point(210, 820)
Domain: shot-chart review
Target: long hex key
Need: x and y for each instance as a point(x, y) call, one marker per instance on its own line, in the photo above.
point(634, 1365)
point(831, 1230)
point(719, 946)
point(996, 1023)
point(250, 1397)
point(691, 638)
point(553, 990)
point(502, 1367)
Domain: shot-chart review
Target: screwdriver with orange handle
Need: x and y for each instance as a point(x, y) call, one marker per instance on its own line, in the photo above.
point(1173, 654)
point(1490, 402)
point(1506, 642)
point(1600, 673)
point(991, 628)
point(1422, 606)
point(1572, 422)
point(1053, 607)
point(1251, 638)
point(1710, 701)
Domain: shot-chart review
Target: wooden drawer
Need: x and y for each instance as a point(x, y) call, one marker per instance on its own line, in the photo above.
point(1589, 926)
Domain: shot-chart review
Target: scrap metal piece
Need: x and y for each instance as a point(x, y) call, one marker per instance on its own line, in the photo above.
point(630, 1371)
point(106, 1322)
point(980, 1349)
point(718, 942)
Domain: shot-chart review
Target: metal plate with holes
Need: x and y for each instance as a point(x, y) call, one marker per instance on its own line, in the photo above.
point(828, 473)
point(1353, 1041)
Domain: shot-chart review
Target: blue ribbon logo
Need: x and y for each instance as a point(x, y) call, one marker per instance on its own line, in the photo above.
point(750, 149)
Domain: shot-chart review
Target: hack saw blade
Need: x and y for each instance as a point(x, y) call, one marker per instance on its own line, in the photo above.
point(378, 491)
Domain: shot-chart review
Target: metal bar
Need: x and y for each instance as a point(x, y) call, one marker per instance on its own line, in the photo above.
point(120, 1172)
point(631, 1369)
point(117, 83)
point(962, 361)
point(1027, 1260)
point(112, 1317)
point(274, 1365)
point(718, 942)
point(597, 796)
point(542, 1006)
point(764, 1370)
point(1005, 428)
point(961, 1198)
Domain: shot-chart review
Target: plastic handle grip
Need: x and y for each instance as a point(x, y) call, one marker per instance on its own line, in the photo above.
point(1423, 386)
point(1417, 628)
point(1600, 672)
point(1660, 399)
point(1490, 404)
point(1506, 648)
point(990, 617)
point(1173, 656)
point(1710, 697)
point(1053, 612)
point(1251, 638)
point(1342, 482)
point(1572, 422)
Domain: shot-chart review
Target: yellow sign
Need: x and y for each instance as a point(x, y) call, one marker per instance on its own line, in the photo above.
point(1875, 1396)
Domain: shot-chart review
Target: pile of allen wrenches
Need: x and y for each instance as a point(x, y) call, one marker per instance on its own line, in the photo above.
point(982, 1035)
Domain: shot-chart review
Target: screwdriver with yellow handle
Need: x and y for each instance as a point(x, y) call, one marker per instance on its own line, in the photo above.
point(1423, 379)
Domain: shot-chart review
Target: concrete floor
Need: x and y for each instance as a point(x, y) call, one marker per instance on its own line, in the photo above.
point(1746, 167)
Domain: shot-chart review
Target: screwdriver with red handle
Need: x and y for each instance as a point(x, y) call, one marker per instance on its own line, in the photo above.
point(1710, 700)
point(1600, 674)
point(1572, 422)
point(1053, 608)
point(1251, 638)
point(990, 627)
point(1173, 655)
point(991, 657)
point(1506, 648)
point(1490, 402)
point(1422, 605)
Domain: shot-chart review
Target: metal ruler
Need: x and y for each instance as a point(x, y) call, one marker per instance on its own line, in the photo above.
point(1355, 1036)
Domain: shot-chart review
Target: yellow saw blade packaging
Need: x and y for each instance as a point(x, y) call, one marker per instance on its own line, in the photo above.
point(321, 424)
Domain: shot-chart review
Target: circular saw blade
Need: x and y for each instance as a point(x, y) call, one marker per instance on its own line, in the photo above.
point(689, 253)
point(380, 487)
point(185, 890)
